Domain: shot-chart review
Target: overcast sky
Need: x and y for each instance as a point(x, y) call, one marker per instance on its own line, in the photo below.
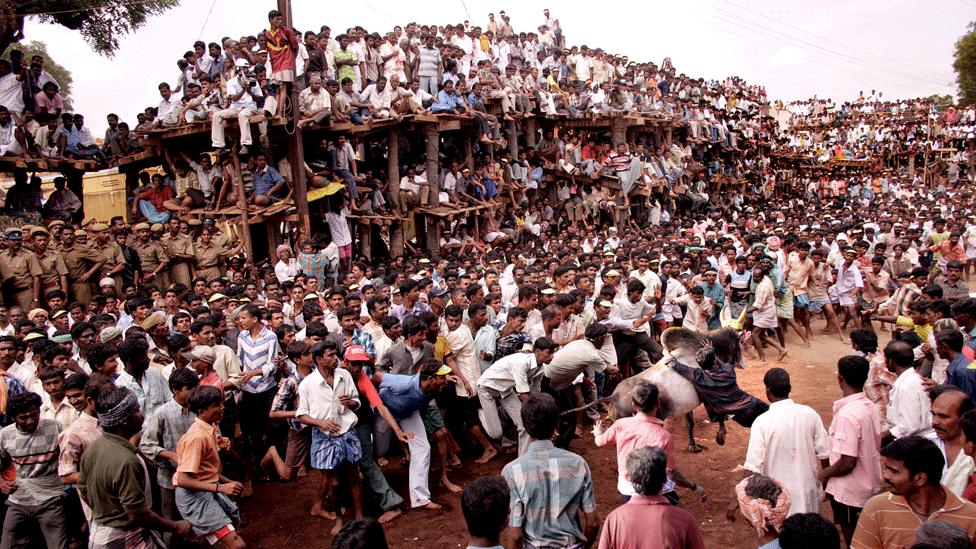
point(797, 49)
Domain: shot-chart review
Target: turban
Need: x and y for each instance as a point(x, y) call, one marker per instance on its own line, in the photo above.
point(282, 248)
point(109, 333)
point(760, 513)
point(120, 412)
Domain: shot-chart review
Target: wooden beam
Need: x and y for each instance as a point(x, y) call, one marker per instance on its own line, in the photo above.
point(393, 185)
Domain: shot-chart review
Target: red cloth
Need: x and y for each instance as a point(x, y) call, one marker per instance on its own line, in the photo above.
point(158, 195)
point(650, 521)
point(282, 47)
point(367, 390)
point(969, 493)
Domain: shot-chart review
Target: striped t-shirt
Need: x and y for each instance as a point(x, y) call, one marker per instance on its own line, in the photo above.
point(258, 354)
point(35, 458)
point(888, 522)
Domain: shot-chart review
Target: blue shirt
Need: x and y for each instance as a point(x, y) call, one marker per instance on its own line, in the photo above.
point(549, 487)
point(264, 181)
point(961, 373)
point(402, 394)
point(717, 295)
point(446, 102)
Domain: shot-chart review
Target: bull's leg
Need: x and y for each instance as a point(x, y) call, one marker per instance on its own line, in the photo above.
point(720, 437)
point(692, 445)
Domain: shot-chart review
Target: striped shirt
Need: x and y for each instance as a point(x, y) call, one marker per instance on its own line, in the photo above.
point(258, 354)
point(286, 399)
point(549, 487)
point(888, 522)
point(162, 431)
point(35, 458)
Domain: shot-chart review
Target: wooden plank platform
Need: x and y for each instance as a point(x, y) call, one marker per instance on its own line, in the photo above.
point(445, 212)
point(8, 163)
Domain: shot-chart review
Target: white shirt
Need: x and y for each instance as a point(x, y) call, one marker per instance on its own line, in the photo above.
point(519, 372)
point(572, 360)
point(339, 227)
point(462, 349)
point(786, 443)
point(12, 94)
point(287, 271)
point(318, 400)
point(910, 411)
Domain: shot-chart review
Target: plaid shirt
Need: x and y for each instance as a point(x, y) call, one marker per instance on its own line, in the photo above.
point(549, 487)
point(364, 339)
point(317, 265)
point(286, 399)
point(74, 441)
point(14, 387)
point(35, 458)
point(162, 431)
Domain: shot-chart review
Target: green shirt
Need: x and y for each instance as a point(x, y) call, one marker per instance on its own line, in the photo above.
point(113, 481)
point(345, 71)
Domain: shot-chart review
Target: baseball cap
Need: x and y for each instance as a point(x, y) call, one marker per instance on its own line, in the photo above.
point(357, 353)
point(201, 352)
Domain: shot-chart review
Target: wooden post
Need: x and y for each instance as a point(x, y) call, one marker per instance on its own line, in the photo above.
point(433, 165)
point(618, 130)
point(365, 237)
point(668, 137)
point(296, 150)
point(242, 204)
point(530, 127)
point(393, 183)
point(512, 140)
point(393, 165)
point(432, 232)
point(468, 153)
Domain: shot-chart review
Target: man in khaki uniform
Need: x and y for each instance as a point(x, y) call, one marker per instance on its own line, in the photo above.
point(219, 238)
point(113, 261)
point(21, 272)
point(55, 228)
point(152, 256)
point(54, 271)
point(179, 248)
point(83, 263)
point(210, 257)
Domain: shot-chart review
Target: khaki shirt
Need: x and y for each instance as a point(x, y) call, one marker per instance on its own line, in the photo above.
point(19, 268)
point(151, 255)
point(210, 256)
point(112, 254)
point(53, 268)
point(79, 260)
point(179, 245)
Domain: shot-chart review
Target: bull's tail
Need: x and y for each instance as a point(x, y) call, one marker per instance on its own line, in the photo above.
point(590, 405)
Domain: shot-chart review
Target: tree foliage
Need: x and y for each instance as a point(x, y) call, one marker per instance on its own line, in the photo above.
point(965, 65)
point(100, 22)
point(59, 72)
point(943, 102)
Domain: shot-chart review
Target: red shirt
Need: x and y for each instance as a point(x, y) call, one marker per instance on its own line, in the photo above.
point(282, 47)
point(650, 521)
point(213, 380)
point(158, 195)
point(367, 390)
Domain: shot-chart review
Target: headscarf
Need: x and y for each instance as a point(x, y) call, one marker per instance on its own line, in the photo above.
point(760, 513)
point(120, 412)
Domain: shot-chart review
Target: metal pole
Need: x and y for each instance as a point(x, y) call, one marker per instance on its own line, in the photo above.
point(296, 151)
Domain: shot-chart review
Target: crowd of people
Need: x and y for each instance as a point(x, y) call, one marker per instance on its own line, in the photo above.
point(152, 372)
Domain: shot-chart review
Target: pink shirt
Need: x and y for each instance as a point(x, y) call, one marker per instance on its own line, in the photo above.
point(635, 432)
point(49, 105)
point(856, 432)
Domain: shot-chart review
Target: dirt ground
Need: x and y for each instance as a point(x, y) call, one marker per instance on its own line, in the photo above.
point(277, 516)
